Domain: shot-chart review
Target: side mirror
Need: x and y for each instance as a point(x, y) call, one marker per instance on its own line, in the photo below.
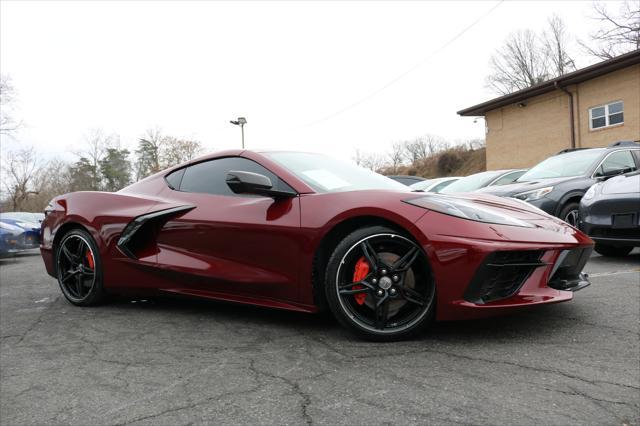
point(254, 183)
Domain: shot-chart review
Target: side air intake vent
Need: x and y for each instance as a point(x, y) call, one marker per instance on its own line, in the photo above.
point(502, 274)
point(141, 231)
point(567, 272)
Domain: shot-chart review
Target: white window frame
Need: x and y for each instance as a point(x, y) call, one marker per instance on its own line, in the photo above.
point(606, 115)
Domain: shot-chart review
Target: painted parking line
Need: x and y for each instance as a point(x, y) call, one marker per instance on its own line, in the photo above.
point(605, 274)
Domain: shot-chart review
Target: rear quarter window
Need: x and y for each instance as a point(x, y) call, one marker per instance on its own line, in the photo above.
point(174, 178)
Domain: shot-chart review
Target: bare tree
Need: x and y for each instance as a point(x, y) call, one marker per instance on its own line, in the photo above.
point(19, 169)
point(7, 98)
point(149, 153)
point(555, 40)
point(371, 161)
point(423, 147)
point(175, 151)
point(396, 156)
point(527, 59)
point(519, 64)
point(619, 31)
point(95, 145)
point(50, 180)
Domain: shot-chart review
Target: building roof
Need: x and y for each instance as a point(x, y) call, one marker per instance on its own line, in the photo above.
point(584, 74)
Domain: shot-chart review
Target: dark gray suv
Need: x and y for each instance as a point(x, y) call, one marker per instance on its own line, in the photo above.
point(557, 184)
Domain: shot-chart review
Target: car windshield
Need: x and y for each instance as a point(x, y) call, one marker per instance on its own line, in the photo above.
point(471, 183)
point(425, 184)
point(325, 174)
point(576, 163)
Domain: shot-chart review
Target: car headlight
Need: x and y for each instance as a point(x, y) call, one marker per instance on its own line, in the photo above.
point(465, 209)
point(533, 195)
point(591, 192)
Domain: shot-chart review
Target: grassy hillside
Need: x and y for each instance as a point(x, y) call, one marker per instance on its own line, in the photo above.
point(455, 161)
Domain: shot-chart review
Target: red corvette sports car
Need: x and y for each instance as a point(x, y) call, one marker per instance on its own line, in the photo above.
point(303, 232)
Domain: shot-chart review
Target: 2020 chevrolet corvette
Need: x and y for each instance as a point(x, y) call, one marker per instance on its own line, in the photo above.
point(303, 232)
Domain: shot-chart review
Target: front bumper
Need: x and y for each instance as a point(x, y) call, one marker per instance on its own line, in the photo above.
point(612, 221)
point(553, 279)
point(548, 275)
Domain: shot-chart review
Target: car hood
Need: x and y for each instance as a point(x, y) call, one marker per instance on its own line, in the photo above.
point(510, 207)
point(7, 228)
point(516, 188)
point(622, 185)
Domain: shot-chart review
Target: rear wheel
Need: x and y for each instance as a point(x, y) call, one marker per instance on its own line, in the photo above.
point(379, 285)
point(79, 269)
point(612, 251)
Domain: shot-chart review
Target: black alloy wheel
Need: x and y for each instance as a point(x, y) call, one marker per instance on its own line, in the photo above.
point(379, 285)
point(570, 214)
point(77, 266)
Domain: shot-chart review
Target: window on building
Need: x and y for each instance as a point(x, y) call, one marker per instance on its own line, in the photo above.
point(606, 115)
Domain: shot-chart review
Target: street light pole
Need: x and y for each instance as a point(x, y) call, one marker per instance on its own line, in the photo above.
point(241, 121)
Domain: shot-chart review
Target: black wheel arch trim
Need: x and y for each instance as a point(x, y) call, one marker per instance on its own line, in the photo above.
point(565, 199)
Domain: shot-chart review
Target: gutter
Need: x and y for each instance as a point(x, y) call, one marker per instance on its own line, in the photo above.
point(573, 132)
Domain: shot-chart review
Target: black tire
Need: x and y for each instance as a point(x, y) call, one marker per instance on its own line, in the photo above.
point(612, 251)
point(398, 298)
point(74, 255)
point(569, 213)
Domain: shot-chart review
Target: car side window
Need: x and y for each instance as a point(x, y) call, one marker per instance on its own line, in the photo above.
point(174, 178)
point(209, 177)
point(615, 163)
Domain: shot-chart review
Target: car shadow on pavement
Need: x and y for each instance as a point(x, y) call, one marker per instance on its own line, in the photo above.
point(529, 323)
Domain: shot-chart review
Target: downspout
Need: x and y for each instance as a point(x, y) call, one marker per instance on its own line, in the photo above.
point(573, 132)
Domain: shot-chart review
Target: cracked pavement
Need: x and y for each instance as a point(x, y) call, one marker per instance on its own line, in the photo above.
point(179, 362)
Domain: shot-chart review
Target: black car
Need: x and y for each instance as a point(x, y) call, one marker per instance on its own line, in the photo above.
point(557, 184)
point(610, 214)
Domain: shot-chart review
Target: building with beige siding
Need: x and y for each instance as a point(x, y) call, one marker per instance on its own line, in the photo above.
point(591, 107)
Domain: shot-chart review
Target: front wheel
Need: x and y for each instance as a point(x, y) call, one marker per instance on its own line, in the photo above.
point(569, 214)
point(79, 269)
point(612, 251)
point(379, 285)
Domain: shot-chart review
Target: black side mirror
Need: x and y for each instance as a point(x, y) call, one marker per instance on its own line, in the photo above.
point(254, 183)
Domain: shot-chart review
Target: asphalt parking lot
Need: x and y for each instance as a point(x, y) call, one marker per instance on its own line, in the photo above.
point(178, 362)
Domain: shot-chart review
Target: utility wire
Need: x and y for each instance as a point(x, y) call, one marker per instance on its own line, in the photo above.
point(410, 70)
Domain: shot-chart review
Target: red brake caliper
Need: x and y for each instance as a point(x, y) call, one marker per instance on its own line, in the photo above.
point(359, 272)
point(89, 257)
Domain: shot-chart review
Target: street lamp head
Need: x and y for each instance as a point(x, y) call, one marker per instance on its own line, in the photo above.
point(241, 121)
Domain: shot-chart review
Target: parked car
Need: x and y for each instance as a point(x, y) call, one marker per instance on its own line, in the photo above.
point(557, 184)
point(406, 180)
point(434, 185)
point(9, 239)
point(483, 179)
point(30, 236)
point(303, 232)
point(610, 214)
point(24, 216)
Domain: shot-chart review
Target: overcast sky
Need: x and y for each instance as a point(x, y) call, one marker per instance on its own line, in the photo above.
point(288, 67)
